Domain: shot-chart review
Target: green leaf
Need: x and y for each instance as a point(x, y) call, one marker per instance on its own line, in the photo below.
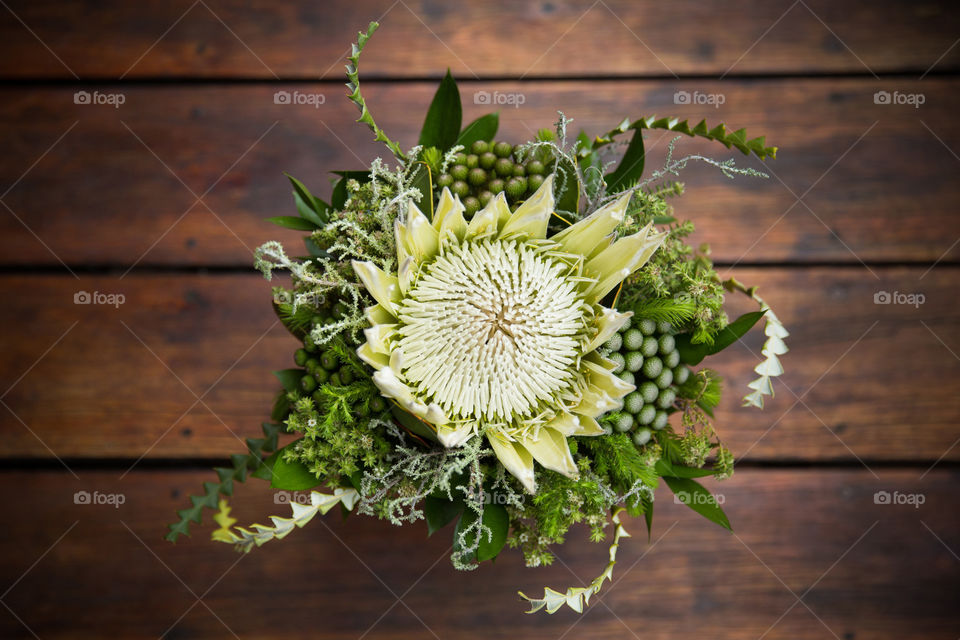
point(423, 180)
point(495, 517)
point(314, 249)
point(338, 199)
point(413, 424)
point(440, 512)
point(694, 353)
point(630, 169)
point(290, 378)
point(648, 518)
point(694, 495)
point(293, 222)
point(265, 471)
point(291, 476)
point(308, 206)
point(483, 128)
point(441, 128)
point(669, 470)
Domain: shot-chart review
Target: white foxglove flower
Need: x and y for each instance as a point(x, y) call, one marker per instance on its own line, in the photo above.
point(489, 328)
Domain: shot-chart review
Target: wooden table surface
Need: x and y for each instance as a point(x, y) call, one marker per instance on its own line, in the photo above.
point(162, 198)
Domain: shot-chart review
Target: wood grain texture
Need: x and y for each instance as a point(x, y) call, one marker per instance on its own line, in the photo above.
point(874, 381)
point(262, 39)
point(90, 184)
point(865, 570)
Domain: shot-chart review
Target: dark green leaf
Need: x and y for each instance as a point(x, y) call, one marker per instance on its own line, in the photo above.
point(440, 512)
point(483, 128)
point(281, 407)
point(423, 181)
point(692, 353)
point(293, 222)
point(313, 249)
point(694, 495)
point(290, 378)
point(570, 199)
point(265, 472)
point(308, 206)
point(670, 470)
point(630, 168)
point(441, 128)
point(413, 424)
point(291, 476)
point(495, 517)
point(648, 517)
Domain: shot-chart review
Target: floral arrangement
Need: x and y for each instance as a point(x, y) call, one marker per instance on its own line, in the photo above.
point(505, 337)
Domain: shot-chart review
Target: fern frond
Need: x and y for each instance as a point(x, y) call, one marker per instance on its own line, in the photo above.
point(673, 310)
point(353, 84)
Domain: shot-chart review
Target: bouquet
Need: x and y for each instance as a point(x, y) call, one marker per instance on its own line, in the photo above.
point(508, 338)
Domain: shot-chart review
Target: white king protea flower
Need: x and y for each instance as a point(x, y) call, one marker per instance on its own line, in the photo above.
point(489, 328)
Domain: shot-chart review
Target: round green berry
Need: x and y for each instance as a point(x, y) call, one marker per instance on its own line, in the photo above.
point(460, 158)
point(649, 327)
point(633, 340)
point(378, 405)
point(321, 375)
point(633, 403)
point(535, 167)
point(445, 180)
point(642, 437)
point(634, 361)
point(504, 168)
point(534, 182)
point(649, 391)
point(660, 421)
point(652, 367)
point(618, 359)
point(519, 171)
point(665, 379)
point(649, 346)
point(484, 198)
point(346, 376)
point(460, 188)
point(335, 379)
point(471, 205)
point(311, 365)
point(647, 414)
point(667, 397)
point(309, 344)
point(300, 357)
point(478, 176)
point(488, 159)
point(308, 384)
point(473, 161)
point(328, 361)
point(502, 149)
point(667, 344)
point(628, 377)
point(516, 188)
point(681, 374)
point(626, 326)
point(459, 172)
point(496, 185)
point(664, 327)
point(672, 359)
point(480, 147)
point(361, 410)
point(317, 396)
point(614, 343)
point(624, 423)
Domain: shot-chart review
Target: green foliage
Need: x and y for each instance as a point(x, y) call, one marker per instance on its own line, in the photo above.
point(309, 206)
point(439, 512)
point(483, 128)
point(288, 473)
point(693, 354)
point(441, 127)
point(257, 449)
point(630, 169)
point(492, 534)
point(293, 222)
point(673, 310)
point(694, 495)
point(353, 84)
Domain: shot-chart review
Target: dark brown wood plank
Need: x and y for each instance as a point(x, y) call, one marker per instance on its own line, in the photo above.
point(121, 186)
point(261, 39)
point(876, 381)
point(872, 570)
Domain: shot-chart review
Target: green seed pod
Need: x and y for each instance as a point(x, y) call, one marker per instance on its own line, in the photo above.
point(321, 375)
point(317, 396)
point(460, 188)
point(672, 359)
point(488, 159)
point(335, 380)
point(504, 168)
point(445, 180)
point(480, 147)
point(664, 327)
point(340, 310)
point(478, 176)
point(346, 376)
point(642, 437)
point(667, 344)
point(361, 410)
point(660, 421)
point(496, 186)
point(667, 397)
point(617, 359)
point(503, 149)
point(318, 320)
point(311, 365)
point(308, 384)
point(650, 346)
point(473, 161)
point(300, 357)
point(633, 340)
point(471, 205)
point(624, 423)
point(634, 361)
point(633, 403)
point(534, 182)
point(484, 198)
point(535, 167)
point(647, 414)
point(681, 374)
point(628, 377)
point(328, 361)
point(378, 405)
point(650, 391)
point(459, 172)
point(309, 344)
point(516, 188)
point(652, 367)
point(665, 379)
point(649, 327)
point(614, 343)
point(629, 323)
point(460, 158)
point(519, 171)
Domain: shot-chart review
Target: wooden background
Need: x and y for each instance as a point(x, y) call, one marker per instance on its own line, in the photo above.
point(162, 200)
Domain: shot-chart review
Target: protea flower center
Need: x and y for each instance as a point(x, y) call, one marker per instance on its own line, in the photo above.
point(491, 330)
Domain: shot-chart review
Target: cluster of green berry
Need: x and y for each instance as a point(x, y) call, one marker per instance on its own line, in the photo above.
point(487, 170)
point(646, 356)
